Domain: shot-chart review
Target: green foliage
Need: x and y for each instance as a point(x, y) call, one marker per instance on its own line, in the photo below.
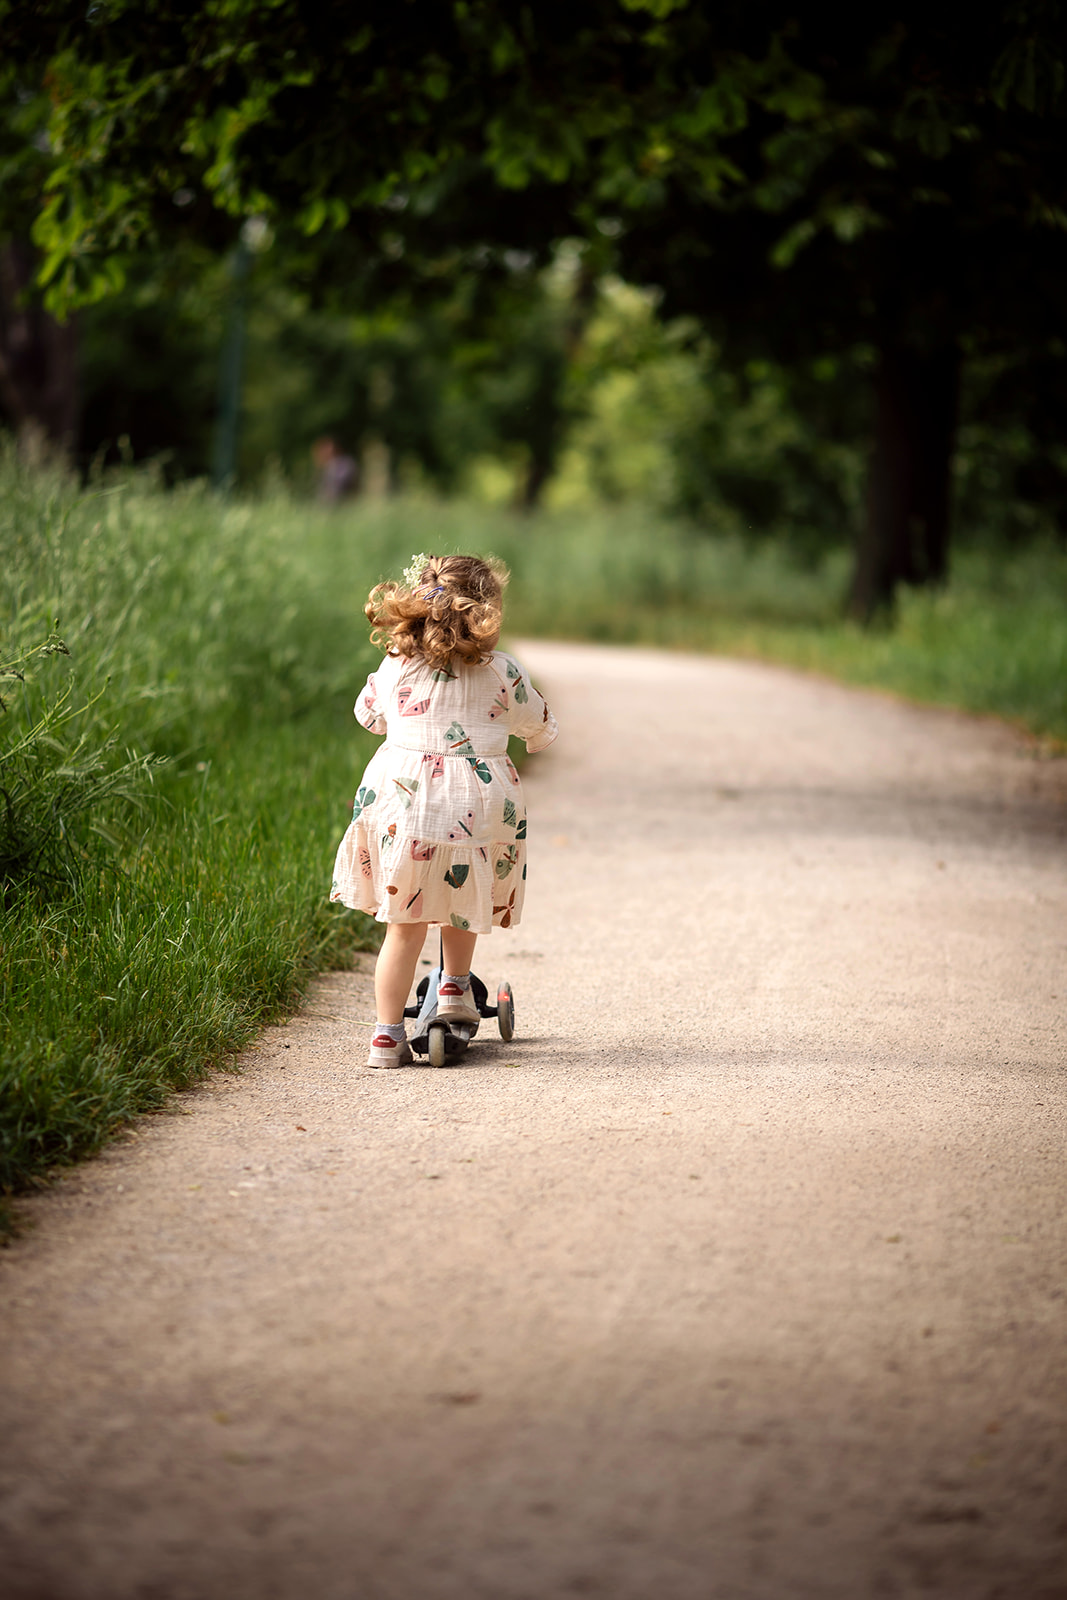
point(24, 154)
point(209, 633)
point(14, 671)
point(60, 784)
point(479, 367)
point(764, 452)
point(869, 193)
point(149, 359)
point(840, 131)
point(191, 617)
point(467, 390)
point(142, 979)
point(994, 641)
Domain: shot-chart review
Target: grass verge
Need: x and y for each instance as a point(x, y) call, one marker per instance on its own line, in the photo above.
point(150, 971)
point(179, 925)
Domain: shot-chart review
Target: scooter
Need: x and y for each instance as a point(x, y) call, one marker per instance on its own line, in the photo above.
point(443, 1041)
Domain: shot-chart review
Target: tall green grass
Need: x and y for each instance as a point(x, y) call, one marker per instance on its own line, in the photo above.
point(188, 914)
point(229, 640)
point(152, 968)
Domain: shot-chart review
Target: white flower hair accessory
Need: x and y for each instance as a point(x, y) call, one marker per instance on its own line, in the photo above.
point(413, 573)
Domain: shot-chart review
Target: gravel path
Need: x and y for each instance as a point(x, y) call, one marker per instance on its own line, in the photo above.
point(741, 1273)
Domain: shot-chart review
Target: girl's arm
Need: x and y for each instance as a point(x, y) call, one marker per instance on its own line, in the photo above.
point(529, 718)
point(366, 709)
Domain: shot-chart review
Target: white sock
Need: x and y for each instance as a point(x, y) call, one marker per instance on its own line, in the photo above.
point(450, 977)
point(395, 1030)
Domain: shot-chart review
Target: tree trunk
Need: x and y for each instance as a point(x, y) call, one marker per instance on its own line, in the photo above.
point(905, 539)
point(549, 416)
point(38, 361)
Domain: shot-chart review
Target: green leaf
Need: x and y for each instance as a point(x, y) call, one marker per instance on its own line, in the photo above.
point(315, 216)
point(792, 242)
point(655, 8)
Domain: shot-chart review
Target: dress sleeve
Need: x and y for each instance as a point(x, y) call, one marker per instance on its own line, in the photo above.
point(530, 717)
point(366, 708)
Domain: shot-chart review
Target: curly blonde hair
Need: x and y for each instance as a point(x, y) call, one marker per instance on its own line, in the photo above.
point(453, 610)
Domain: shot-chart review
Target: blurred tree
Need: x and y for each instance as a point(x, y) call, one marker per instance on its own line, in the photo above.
point(38, 359)
point(902, 206)
point(38, 354)
point(476, 363)
point(441, 366)
point(149, 358)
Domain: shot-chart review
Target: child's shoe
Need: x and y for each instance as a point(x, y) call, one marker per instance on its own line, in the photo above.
point(385, 1051)
point(455, 1002)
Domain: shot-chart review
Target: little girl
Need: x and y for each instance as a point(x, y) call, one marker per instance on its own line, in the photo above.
point(438, 831)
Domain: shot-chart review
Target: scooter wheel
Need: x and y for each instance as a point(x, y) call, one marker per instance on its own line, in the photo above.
point(505, 1012)
point(436, 1042)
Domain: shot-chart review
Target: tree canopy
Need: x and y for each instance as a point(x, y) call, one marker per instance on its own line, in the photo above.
point(884, 187)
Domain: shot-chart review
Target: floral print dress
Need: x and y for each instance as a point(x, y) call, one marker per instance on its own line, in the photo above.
point(438, 831)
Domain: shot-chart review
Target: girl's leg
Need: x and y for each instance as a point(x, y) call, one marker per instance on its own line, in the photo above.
point(454, 999)
point(458, 950)
point(395, 971)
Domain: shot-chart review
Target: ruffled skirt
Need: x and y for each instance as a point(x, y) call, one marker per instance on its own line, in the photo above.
point(436, 838)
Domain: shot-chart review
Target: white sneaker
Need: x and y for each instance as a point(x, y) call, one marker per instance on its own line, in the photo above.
point(455, 1004)
point(385, 1051)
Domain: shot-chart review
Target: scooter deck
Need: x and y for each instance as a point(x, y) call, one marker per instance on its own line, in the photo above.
point(458, 1035)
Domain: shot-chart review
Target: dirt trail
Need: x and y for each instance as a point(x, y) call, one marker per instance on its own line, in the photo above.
point(740, 1274)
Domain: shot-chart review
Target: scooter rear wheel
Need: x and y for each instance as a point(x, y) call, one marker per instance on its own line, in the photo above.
point(436, 1042)
point(505, 1012)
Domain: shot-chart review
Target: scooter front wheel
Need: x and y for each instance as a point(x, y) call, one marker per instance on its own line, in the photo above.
point(505, 1012)
point(436, 1042)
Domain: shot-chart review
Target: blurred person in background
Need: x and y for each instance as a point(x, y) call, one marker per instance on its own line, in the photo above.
point(338, 473)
